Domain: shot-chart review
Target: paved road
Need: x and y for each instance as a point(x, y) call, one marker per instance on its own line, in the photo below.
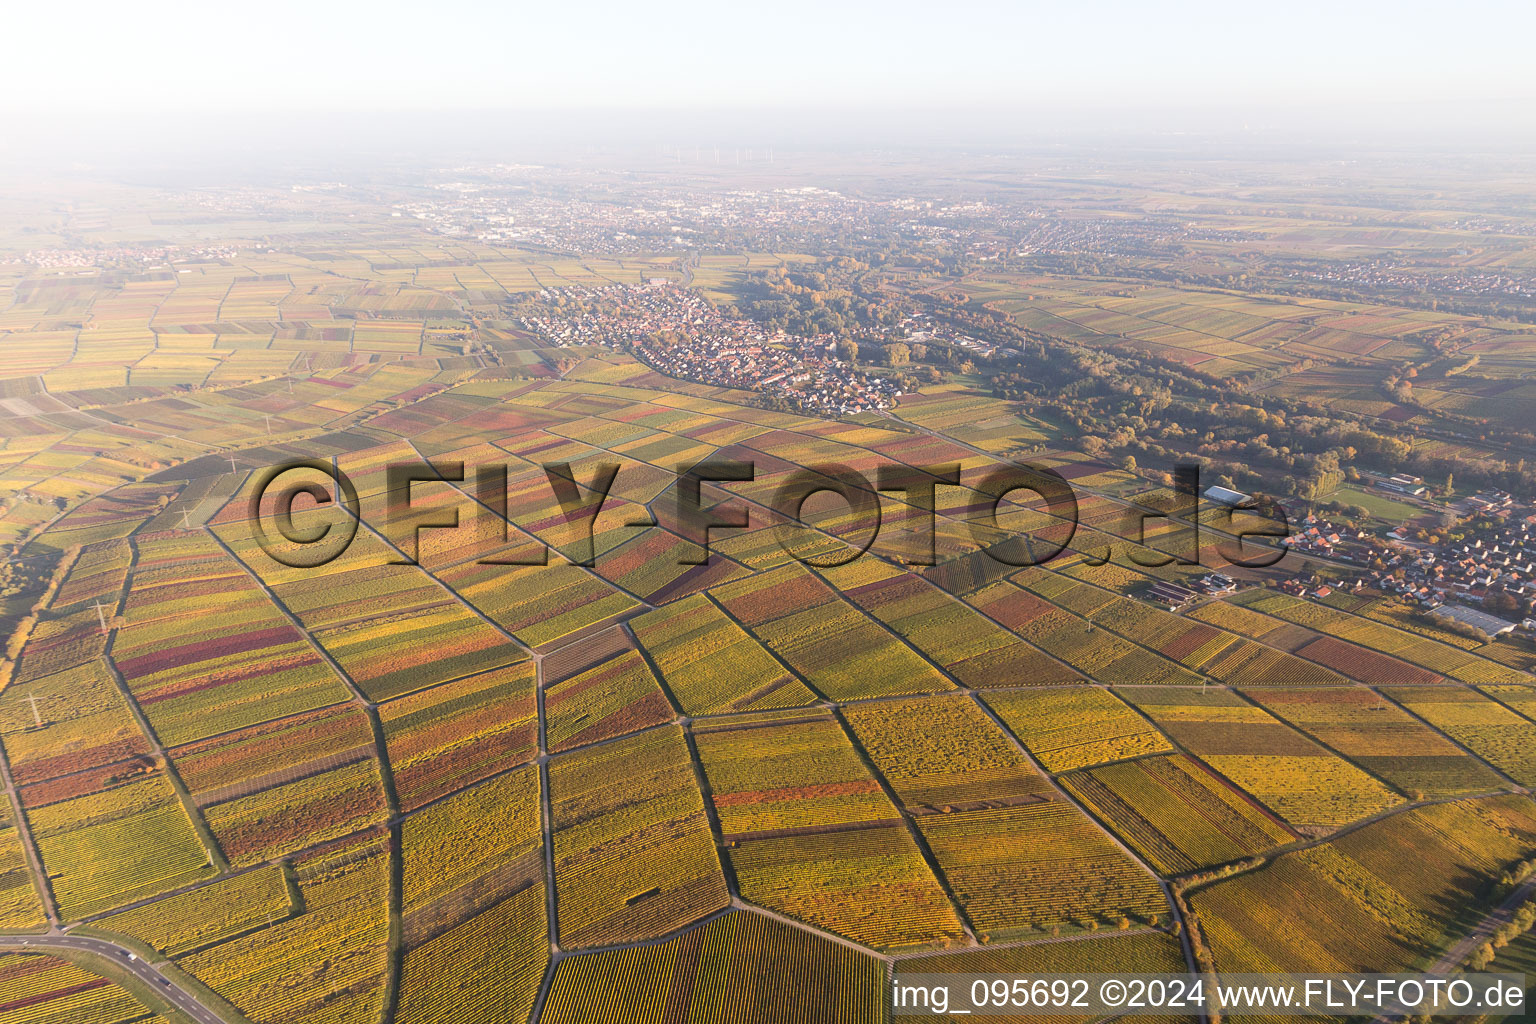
point(140, 969)
point(1496, 919)
point(1452, 960)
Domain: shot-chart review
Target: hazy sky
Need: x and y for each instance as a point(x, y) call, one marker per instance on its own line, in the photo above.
point(109, 55)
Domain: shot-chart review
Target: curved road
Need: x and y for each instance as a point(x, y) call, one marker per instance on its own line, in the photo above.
point(119, 956)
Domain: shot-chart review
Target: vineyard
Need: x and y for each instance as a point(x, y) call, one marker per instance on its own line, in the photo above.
point(811, 833)
point(633, 854)
point(1059, 621)
point(1038, 866)
point(966, 644)
point(1485, 727)
point(62, 640)
point(326, 964)
point(959, 757)
point(434, 781)
point(1175, 813)
point(278, 751)
point(653, 567)
point(99, 573)
point(1368, 909)
point(1380, 639)
point(463, 851)
point(710, 663)
point(1302, 782)
point(992, 823)
point(1199, 646)
point(731, 970)
point(391, 627)
point(766, 777)
point(832, 645)
point(1076, 726)
point(204, 651)
point(123, 844)
point(537, 609)
point(869, 884)
point(293, 815)
point(616, 698)
point(487, 968)
point(19, 903)
point(1381, 738)
point(1360, 663)
point(37, 989)
point(1521, 698)
point(203, 917)
point(451, 736)
point(88, 724)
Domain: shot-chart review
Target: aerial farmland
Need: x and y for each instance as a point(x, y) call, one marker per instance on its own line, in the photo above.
point(419, 619)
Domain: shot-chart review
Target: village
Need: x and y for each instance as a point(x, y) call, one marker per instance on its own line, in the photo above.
point(677, 332)
point(494, 206)
point(1478, 569)
point(149, 257)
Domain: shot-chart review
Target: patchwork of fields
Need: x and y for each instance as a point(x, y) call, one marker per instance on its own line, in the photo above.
point(545, 763)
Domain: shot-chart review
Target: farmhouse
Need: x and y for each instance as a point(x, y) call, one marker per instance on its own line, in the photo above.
point(1216, 583)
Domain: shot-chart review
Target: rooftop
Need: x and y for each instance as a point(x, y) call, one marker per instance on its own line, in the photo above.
point(1226, 496)
point(1490, 624)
